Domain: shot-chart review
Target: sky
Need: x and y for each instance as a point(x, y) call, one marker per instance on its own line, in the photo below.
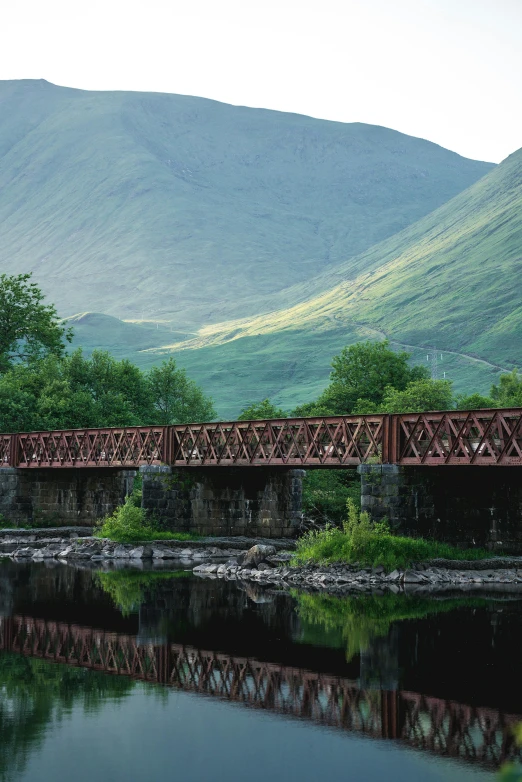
point(446, 70)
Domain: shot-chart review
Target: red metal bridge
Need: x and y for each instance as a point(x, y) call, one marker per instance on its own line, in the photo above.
point(476, 437)
point(447, 728)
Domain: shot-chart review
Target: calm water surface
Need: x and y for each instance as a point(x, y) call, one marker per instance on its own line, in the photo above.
point(135, 675)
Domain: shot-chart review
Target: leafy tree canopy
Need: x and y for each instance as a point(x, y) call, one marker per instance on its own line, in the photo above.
point(360, 377)
point(473, 402)
point(175, 398)
point(418, 396)
point(29, 328)
point(260, 410)
point(78, 392)
point(508, 393)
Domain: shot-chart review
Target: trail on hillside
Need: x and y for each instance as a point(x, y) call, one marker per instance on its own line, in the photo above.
point(383, 335)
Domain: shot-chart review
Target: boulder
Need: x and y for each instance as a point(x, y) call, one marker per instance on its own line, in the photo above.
point(257, 554)
point(24, 553)
point(411, 577)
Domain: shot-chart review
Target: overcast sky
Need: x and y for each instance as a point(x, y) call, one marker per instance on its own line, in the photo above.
point(446, 70)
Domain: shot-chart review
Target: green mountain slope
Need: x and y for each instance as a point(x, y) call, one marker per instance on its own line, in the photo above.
point(451, 280)
point(180, 209)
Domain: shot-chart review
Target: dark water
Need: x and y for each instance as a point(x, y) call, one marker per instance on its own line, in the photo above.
point(131, 675)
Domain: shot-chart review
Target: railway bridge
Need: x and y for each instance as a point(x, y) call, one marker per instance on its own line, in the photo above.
point(245, 477)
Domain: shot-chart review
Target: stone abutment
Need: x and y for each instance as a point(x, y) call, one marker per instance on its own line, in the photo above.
point(463, 505)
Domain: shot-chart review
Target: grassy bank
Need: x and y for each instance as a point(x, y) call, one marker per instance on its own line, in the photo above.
point(362, 542)
point(130, 523)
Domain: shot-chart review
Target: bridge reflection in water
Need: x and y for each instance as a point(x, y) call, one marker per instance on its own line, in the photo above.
point(447, 728)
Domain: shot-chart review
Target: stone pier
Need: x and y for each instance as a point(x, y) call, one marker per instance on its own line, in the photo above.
point(463, 505)
point(55, 497)
point(223, 501)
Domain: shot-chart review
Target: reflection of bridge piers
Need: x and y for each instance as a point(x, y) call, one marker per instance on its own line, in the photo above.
point(476, 735)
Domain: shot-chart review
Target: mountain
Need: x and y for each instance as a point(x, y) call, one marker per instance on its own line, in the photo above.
point(452, 280)
point(189, 212)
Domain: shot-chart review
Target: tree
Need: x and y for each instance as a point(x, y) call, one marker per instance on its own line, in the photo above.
point(29, 329)
point(258, 411)
point(362, 373)
point(418, 396)
point(508, 393)
point(473, 402)
point(175, 398)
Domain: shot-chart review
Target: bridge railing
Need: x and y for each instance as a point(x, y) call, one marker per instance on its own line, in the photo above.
point(476, 437)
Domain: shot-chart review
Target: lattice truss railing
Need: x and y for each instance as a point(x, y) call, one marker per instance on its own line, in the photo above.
point(294, 441)
point(129, 447)
point(477, 735)
point(481, 437)
point(5, 449)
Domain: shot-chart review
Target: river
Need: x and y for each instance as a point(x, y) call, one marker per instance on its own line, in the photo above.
point(149, 675)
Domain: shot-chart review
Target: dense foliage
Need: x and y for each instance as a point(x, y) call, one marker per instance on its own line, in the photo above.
point(74, 391)
point(261, 410)
point(29, 329)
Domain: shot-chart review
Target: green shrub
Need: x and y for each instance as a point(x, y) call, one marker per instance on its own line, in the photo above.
point(130, 523)
point(369, 544)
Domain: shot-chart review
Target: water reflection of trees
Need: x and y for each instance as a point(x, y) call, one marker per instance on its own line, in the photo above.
point(35, 694)
point(357, 622)
point(129, 588)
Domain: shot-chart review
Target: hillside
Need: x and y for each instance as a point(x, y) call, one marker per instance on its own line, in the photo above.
point(190, 212)
point(452, 279)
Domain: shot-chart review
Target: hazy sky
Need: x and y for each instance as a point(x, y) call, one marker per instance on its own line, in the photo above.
point(446, 70)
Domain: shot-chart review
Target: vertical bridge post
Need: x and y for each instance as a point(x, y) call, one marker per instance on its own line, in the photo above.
point(13, 451)
point(390, 449)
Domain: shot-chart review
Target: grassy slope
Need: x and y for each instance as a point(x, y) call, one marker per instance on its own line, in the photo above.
point(177, 208)
point(290, 366)
point(452, 279)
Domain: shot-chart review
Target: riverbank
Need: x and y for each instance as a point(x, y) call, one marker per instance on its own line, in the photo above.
point(68, 544)
point(263, 561)
point(339, 579)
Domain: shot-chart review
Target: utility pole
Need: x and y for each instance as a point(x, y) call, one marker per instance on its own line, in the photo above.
point(433, 357)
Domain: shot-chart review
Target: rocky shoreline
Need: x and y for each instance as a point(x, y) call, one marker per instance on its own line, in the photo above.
point(67, 545)
point(266, 562)
point(264, 565)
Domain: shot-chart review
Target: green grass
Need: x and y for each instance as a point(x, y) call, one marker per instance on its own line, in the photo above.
point(390, 551)
point(290, 366)
point(449, 280)
point(146, 535)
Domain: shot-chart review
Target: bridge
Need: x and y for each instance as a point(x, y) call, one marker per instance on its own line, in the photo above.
point(476, 735)
point(475, 437)
point(78, 476)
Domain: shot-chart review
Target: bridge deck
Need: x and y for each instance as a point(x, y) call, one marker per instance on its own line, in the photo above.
point(476, 437)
